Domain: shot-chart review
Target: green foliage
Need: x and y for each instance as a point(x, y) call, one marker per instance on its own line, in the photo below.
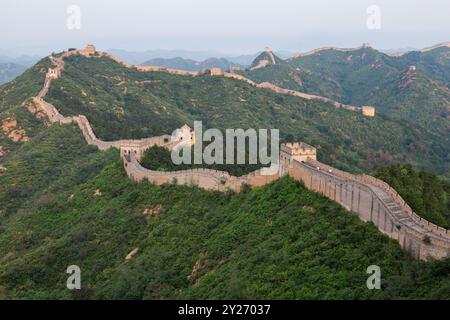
point(63, 202)
point(278, 241)
point(369, 77)
point(158, 158)
point(124, 103)
point(427, 195)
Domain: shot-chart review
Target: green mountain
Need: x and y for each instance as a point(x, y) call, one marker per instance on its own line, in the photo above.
point(124, 103)
point(413, 87)
point(265, 58)
point(63, 202)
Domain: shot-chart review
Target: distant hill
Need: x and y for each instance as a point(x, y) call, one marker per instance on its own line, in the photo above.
point(9, 71)
point(141, 57)
point(63, 202)
point(265, 58)
point(413, 86)
point(192, 65)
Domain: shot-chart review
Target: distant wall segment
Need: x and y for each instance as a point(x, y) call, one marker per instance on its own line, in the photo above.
point(370, 198)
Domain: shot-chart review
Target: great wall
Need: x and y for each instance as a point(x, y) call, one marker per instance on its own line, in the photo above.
point(367, 111)
point(318, 50)
point(371, 199)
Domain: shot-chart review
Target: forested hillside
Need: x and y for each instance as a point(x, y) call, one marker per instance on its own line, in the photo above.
point(63, 202)
point(123, 103)
point(428, 195)
point(412, 87)
point(67, 203)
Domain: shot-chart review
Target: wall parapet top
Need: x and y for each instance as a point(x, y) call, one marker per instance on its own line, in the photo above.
point(132, 149)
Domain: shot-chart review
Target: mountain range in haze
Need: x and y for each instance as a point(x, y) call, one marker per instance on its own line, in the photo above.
point(13, 64)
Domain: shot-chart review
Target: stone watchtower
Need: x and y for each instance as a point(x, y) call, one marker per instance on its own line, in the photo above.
point(88, 50)
point(368, 111)
point(184, 134)
point(53, 73)
point(298, 151)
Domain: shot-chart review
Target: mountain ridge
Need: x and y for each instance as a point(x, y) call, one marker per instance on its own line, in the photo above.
point(364, 75)
point(203, 233)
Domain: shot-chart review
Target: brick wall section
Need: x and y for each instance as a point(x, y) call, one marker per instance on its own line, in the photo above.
point(203, 178)
point(373, 200)
point(370, 198)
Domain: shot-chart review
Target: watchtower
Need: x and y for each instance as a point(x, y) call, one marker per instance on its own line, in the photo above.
point(216, 71)
point(368, 111)
point(88, 50)
point(298, 151)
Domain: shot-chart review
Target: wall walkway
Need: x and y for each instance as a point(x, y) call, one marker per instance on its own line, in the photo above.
point(371, 199)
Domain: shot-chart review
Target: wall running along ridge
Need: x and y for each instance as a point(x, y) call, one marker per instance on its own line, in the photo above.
point(89, 51)
point(370, 198)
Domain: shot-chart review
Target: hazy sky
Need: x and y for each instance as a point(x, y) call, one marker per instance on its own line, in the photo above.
point(231, 26)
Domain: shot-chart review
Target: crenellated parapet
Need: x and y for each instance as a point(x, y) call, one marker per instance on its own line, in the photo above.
point(90, 51)
point(370, 198)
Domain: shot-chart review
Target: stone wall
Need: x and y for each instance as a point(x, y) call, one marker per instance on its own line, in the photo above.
point(203, 178)
point(90, 51)
point(371, 199)
point(363, 110)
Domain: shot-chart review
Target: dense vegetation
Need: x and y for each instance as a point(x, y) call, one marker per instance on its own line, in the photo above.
point(12, 96)
point(369, 77)
point(67, 203)
point(158, 158)
point(428, 195)
point(63, 202)
point(124, 103)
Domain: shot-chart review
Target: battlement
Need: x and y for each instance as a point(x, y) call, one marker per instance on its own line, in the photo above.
point(371, 199)
point(297, 148)
point(298, 151)
point(88, 50)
